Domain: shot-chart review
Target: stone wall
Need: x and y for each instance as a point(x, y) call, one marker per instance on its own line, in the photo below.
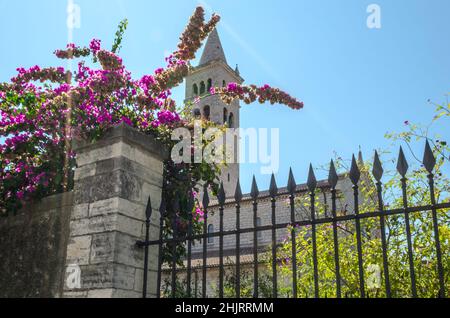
point(83, 243)
point(32, 248)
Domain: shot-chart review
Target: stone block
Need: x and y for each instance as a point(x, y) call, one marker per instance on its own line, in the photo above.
point(132, 209)
point(100, 293)
point(85, 171)
point(99, 276)
point(98, 154)
point(97, 224)
point(102, 248)
point(76, 294)
point(80, 211)
point(104, 207)
point(120, 293)
point(124, 277)
point(130, 226)
point(126, 251)
point(78, 250)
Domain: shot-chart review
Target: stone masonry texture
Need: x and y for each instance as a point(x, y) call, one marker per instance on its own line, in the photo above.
point(32, 248)
point(113, 182)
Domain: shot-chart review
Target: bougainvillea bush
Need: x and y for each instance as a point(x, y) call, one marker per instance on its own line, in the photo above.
point(42, 110)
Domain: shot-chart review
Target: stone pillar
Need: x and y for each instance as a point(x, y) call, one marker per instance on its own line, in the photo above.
point(114, 178)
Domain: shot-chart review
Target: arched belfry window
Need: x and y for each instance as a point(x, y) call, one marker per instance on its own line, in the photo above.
point(209, 84)
point(202, 88)
point(225, 115)
point(231, 120)
point(197, 113)
point(207, 112)
point(195, 89)
point(210, 231)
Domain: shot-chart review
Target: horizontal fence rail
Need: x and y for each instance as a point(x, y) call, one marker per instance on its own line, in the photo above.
point(380, 214)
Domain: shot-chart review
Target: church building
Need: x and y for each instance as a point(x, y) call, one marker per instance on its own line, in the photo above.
point(214, 71)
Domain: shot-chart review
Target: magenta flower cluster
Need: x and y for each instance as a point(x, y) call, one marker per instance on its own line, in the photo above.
point(166, 117)
point(95, 45)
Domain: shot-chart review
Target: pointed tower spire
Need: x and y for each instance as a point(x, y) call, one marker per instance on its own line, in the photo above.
point(360, 157)
point(213, 49)
point(236, 70)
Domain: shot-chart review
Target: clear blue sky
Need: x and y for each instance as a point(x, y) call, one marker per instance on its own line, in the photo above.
point(356, 83)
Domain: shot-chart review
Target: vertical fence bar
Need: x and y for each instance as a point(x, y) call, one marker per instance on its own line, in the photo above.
point(332, 180)
point(162, 215)
point(254, 194)
point(196, 284)
point(205, 238)
point(148, 214)
point(437, 240)
point(273, 192)
point(429, 162)
point(238, 198)
point(189, 251)
point(312, 184)
point(176, 207)
point(292, 186)
point(355, 175)
point(221, 198)
point(402, 167)
point(378, 174)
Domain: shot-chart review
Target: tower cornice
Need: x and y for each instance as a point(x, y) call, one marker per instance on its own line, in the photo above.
point(213, 64)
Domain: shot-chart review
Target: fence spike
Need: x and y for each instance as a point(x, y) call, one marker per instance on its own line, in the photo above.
point(429, 161)
point(312, 181)
point(355, 174)
point(402, 164)
point(238, 192)
point(292, 185)
point(332, 176)
point(255, 191)
point(148, 210)
point(273, 190)
point(205, 200)
point(377, 170)
point(221, 194)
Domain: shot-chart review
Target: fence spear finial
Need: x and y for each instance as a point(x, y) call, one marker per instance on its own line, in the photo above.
point(332, 177)
point(355, 174)
point(273, 190)
point(238, 192)
point(312, 181)
point(255, 191)
point(292, 185)
point(377, 170)
point(221, 194)
point(148, 210)
point(402, 164)
point(429, 161)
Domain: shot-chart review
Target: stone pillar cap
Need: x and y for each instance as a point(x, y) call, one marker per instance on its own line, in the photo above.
point(127, 134)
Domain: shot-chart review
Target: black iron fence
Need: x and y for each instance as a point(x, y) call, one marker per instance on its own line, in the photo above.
point(332, 219)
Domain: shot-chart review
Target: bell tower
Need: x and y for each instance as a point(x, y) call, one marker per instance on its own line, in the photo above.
point(214, 71)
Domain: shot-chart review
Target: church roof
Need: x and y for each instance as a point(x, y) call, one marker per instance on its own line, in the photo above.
point(321, 184)
point(213, 49)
